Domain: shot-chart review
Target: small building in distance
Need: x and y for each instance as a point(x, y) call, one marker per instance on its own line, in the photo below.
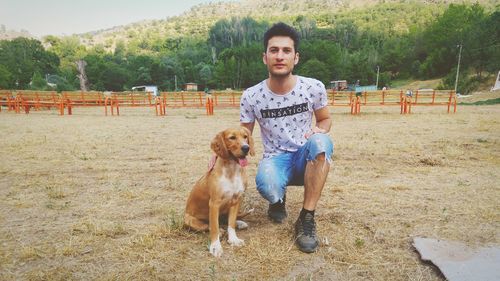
point(191, 87)
point(339, 85)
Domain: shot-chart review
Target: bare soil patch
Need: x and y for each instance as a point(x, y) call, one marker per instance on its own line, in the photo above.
point(89, 197)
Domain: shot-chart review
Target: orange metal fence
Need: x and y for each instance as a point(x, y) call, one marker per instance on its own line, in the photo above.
point(8, 100)
point(182, 99)
point(435, 98)
point(210, 105)
point(37, 100)
point(131, 99)
point(393, 98)
point(227, 99)
point(84, 99)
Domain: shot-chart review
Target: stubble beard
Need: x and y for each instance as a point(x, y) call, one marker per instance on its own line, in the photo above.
point(278, 75)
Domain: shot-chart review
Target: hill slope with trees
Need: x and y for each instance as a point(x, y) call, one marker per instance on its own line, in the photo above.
point(340, 40)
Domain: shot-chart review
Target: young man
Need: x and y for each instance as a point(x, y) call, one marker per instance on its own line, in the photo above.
point(295, 151)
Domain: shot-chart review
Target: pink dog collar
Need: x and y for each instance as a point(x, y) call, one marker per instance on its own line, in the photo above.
point(211, 162)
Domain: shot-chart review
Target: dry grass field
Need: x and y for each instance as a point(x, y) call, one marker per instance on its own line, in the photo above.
point(89, 197)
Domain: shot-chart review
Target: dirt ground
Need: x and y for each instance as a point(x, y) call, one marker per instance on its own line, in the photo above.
point(89, 197)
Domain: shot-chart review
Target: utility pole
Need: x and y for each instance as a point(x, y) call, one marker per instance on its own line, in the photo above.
point(378, 70)
point(458, 66)
point(175, 78)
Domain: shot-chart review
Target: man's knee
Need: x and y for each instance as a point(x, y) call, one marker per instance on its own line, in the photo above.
point(320, 147)
point(270, 184)
point(321, 157)
point(271, 190)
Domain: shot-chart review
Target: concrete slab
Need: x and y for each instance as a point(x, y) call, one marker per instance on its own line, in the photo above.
point(458, 262)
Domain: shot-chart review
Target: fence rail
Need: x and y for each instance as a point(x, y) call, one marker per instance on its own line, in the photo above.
point(39, 100)
point(393, 98)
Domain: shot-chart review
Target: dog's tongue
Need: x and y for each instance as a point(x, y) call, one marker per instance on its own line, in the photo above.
point(243, 162)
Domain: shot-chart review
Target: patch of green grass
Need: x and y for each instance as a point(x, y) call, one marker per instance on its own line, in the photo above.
point(359, 243)
point(212, 272)
point(482, 102)
point(400, 83)
point(56, 205)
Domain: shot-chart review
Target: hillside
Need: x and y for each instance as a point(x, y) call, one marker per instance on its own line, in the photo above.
point(390, 16)
point(219, 45)
point(8, 34)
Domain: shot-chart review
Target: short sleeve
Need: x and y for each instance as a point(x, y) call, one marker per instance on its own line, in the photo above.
point(320, 99)
point(247, 114)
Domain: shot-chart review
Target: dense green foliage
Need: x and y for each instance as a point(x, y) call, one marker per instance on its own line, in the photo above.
point(403, 40)
point(21, 58)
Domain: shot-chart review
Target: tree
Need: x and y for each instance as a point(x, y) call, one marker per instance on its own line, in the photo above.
point(114, 77)
point(326, 52)
point(235, 32)
point(397, 55)
point(482, 52)
point(95, 69)
point(304, 26)
point(38, 83)
point(316, 69)
point(22, 57)
point(440, 40)
point(206, 73)
point(346, 34)
point(171, 70)
point(6, 81)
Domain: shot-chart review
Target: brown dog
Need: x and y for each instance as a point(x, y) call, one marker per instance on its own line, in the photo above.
point(220, 190)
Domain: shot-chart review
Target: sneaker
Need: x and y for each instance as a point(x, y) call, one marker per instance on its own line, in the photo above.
point(305, 234)
point(277, 211)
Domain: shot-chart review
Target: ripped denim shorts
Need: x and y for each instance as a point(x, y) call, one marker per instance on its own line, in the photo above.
point(277, 172)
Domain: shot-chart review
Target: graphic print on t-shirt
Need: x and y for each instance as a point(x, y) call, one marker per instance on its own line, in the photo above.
point(286, 111)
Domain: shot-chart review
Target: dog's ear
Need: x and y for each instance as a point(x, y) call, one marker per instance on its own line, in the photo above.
point(219, 146)
point(250, 141)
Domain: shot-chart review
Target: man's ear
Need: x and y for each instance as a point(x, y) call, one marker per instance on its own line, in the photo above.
point(219, 147)
point(264, 58)
point(296, 59)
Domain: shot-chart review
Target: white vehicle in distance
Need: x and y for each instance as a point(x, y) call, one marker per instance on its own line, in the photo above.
point(151, 88)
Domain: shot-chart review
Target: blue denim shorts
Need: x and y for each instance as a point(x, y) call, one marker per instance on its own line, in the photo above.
point(276, 173)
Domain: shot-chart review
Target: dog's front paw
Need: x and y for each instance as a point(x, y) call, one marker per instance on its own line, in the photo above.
point(235, 241)
point(216, 249)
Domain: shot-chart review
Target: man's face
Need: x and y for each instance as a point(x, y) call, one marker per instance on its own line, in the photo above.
point(280, 56)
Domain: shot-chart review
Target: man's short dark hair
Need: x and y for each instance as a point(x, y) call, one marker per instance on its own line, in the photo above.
point(282, 29)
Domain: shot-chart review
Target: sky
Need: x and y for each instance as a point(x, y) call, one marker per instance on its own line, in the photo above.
point(66, 17)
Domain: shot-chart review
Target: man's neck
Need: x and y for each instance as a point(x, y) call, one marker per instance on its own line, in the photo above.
point(281, 85)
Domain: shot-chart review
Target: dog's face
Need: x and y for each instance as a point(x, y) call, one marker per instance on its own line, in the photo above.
point(233, 143)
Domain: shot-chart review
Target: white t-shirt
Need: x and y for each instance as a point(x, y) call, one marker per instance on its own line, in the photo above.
point(283, 119)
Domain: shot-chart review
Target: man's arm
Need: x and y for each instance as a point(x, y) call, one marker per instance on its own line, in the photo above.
point(323, 122)
point(249, 126)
